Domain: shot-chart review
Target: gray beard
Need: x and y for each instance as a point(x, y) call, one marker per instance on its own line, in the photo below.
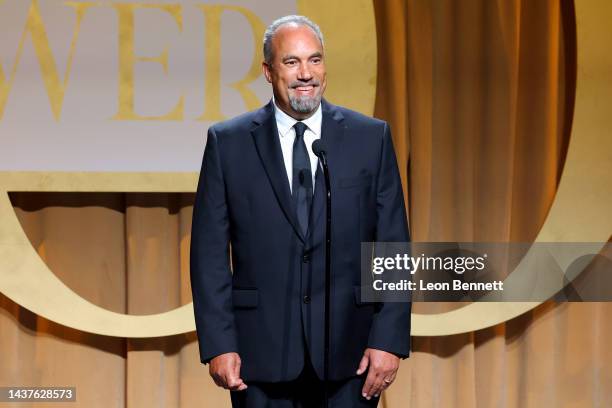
point(304, 104)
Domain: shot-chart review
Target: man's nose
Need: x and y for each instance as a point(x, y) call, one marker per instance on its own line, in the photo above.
point(304, 73)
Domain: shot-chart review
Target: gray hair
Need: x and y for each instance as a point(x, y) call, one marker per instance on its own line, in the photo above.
point(276, 24)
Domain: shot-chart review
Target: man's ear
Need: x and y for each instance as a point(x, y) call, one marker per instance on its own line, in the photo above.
point(267, 71)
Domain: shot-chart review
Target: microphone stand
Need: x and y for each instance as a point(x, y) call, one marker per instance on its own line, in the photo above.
point(323, 158)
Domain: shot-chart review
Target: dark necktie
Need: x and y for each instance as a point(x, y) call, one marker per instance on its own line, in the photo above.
point(302, 177)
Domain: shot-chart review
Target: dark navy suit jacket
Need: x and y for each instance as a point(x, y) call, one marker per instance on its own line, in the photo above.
point(269, 306)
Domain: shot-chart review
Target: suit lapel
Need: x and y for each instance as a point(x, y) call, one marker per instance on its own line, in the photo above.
point(265, 135)
point(332, 132)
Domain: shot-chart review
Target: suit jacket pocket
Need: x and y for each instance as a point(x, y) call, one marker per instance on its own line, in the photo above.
point(245, 298)
point(349, 182)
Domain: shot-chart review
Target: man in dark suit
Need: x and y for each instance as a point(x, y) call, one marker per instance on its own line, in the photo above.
point(261, 198)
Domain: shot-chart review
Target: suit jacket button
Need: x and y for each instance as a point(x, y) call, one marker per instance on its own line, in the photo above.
point(306, 258)
point(306, 299)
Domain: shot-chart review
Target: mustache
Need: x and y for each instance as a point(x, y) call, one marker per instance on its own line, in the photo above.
point(296, 84)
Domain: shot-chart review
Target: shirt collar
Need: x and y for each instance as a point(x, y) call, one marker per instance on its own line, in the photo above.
point(284, 122)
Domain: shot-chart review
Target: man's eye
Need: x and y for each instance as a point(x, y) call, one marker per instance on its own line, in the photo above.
point(316, 60)
point(290, 63)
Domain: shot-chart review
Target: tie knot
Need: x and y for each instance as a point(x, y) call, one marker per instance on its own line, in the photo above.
point(300, 128)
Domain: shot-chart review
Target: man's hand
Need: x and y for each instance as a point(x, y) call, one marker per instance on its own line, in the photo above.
point(383, 368)
point(225, 371)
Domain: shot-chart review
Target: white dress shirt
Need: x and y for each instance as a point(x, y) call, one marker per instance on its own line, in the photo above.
point(286, 134)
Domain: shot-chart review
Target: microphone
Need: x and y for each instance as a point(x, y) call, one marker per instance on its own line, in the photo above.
point(319, 148)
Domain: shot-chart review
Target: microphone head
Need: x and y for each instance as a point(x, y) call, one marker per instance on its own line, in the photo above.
point(319, 147)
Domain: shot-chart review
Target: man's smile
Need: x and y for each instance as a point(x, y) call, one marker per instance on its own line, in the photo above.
point(305, 89)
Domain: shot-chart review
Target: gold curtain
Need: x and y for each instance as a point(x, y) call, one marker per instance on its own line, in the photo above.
point(479, 97)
